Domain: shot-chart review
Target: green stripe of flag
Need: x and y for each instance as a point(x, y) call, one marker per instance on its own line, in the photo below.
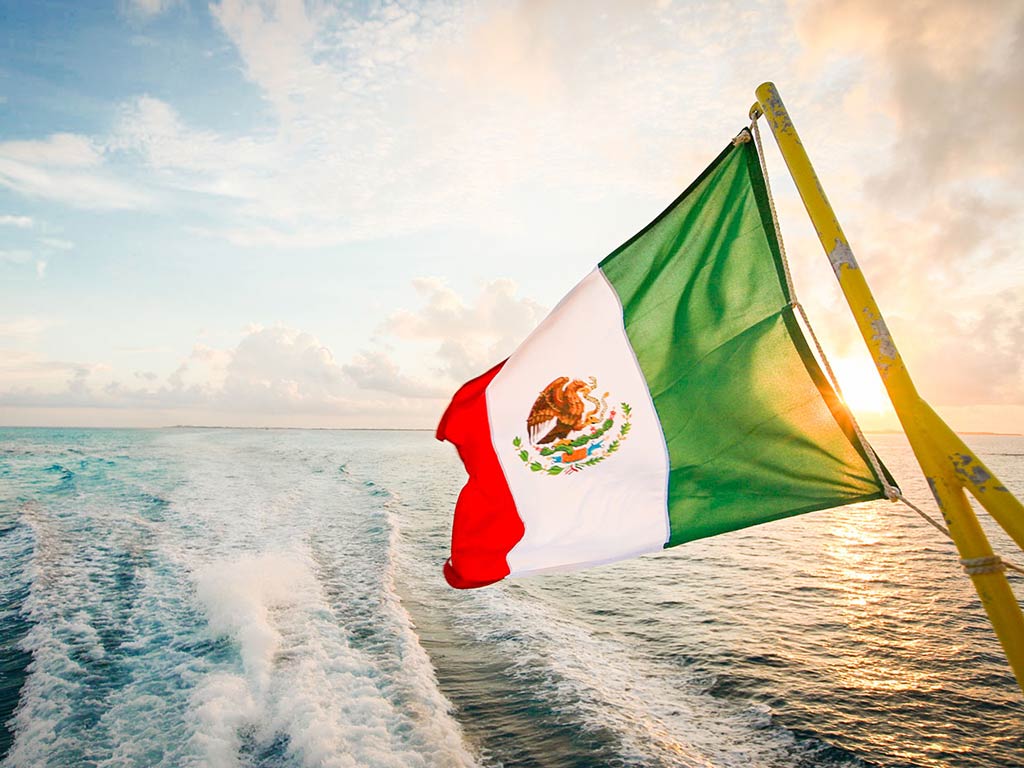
point(754, 431)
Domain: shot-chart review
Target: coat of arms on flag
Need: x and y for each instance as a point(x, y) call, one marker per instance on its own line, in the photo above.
point(564, 437)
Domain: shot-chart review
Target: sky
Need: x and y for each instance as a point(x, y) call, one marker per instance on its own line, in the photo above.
point(330, 214)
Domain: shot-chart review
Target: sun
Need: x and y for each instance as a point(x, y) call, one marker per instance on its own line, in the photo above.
point(862, 386)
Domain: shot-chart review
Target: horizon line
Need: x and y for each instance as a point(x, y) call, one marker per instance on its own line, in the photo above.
point(395, 429)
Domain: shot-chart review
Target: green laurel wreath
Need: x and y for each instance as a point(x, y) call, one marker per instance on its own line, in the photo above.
point(557, 469)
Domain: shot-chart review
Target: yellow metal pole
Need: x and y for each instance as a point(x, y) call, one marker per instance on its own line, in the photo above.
point(929, 440)
point(972, 473)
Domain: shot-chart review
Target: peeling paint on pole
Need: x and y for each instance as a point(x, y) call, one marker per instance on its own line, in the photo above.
point(776, 112)
point(887, 354)
point(841, 255)
point(969, 468)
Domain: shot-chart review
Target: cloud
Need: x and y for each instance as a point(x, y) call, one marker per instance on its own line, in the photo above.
point(950, 74)
point(399, 118)
point(26, 329)
point(975, 358)
point(60, 150)
point(274, 371)
point(281, 373)
point(148, 9)
point(472, 336)
point(190, 158)
point(376, 370)
point(931, 90)
point(20, 257)
point(67, 168)
point(57, 243)
point(15, 256)
point(282, 367)
point(25, 376)
point(21, 222)
point(385, 119)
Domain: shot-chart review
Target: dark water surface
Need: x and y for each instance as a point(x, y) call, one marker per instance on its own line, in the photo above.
point(274, 598)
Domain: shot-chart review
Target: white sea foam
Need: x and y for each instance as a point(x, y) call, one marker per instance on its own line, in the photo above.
point(221, 708)
point(255, 621)
point(241, 598)
point(301, 676)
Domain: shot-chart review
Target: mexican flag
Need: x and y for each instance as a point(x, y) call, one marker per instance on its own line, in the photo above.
point(671, 395)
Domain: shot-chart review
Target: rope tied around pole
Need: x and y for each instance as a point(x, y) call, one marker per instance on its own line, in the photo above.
point(975, 566)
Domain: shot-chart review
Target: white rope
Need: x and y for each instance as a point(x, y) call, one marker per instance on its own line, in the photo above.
point(891, 492)
point(935, 523)
point(975, 566)
point(1012, 566)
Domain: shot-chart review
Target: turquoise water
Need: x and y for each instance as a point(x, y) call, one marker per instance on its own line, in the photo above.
point(274, 598)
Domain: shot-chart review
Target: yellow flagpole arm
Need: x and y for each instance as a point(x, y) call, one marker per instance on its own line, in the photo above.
point(948, 465)
point(972, 473)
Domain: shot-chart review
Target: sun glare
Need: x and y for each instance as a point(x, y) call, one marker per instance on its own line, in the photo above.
point(862, 387)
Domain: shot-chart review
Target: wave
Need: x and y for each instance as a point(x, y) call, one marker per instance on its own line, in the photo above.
point(234, 610)
point(16, 549)
point(304, 685)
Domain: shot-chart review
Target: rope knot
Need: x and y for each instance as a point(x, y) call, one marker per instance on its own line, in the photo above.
point(976, 566)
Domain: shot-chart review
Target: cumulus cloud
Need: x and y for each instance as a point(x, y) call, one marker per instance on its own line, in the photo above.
point(472, 336)
point(281, 373)
point(287, 376)
point(376, 370)
point(396, 118)
point(26, 376)
point(282, 367)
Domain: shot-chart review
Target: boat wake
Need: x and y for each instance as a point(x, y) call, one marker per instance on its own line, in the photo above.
point(218, 613)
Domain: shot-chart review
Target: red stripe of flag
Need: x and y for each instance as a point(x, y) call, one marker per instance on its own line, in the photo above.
point(487, 524)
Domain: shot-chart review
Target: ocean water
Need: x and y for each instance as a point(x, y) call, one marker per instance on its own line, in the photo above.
point(192, 597)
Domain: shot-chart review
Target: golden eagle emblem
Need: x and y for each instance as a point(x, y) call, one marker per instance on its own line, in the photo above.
point(568, 427)
point(560, 409)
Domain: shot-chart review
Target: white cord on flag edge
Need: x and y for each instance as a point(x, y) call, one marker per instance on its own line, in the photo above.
point(891, 492)
point(972, 566)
